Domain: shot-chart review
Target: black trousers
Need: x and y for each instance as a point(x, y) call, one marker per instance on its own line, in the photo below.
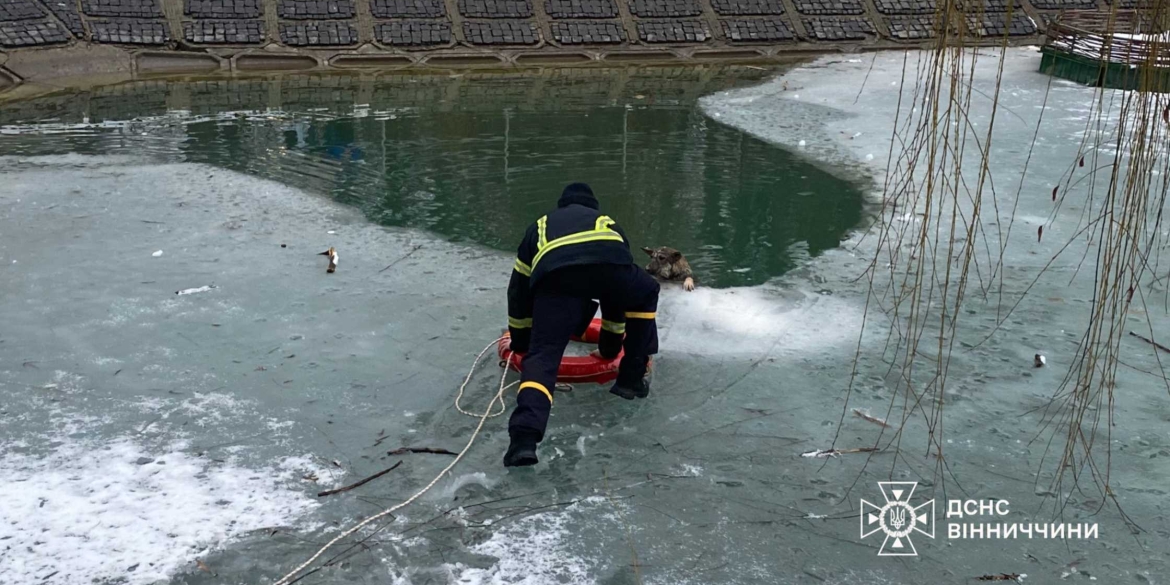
point(561, 300)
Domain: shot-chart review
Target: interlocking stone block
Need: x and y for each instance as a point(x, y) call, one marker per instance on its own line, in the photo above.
point(977, 6)
point(31, 33)
point(223, 8)
point(912, 28)
point(66, 12)
point(130, 31)
point(495, 8)
point(834, 7)
point(665, 8)
point(19, 10)
point(413, 33)
point(997, 25)
point(581, 8)
point(122, 8)
point(224, 32)
point(839, 29)
point(318, 33)
point(316, 9)
point(748, 30)
point(744, 7)
point(501, 32)
point(408, 8)
point(674, 31)
point(1063, 4)
point(906, 6)
point(587, 33)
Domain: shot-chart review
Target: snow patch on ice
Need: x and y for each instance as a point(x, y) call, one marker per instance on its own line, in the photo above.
point(534, 550)
point(754, 321)
point(89, 510)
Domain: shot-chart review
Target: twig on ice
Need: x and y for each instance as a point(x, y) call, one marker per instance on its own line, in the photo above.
point(360, 483)
point(403, 450)
point(824, 453)
point(869, 417)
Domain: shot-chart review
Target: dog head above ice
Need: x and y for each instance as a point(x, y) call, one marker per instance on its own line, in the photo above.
point(667, 263)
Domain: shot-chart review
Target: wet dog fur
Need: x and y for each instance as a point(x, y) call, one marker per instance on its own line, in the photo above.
point(670, 265)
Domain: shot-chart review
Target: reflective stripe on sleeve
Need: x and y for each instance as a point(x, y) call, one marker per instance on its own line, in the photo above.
point(537, 386)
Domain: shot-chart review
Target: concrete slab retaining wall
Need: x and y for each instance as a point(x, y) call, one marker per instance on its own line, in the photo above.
point(47, 42)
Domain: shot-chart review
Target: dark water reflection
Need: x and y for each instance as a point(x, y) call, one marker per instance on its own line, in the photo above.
point(479, 157)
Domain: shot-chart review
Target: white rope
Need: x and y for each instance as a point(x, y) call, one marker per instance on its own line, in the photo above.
point(499, 397)
point(482, 419)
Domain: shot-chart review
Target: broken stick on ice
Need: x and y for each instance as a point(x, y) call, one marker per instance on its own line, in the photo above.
point(360, 483)
point(869, 417)
point(823, 453)
point(402, 450)
point(1017, 577)
point(1150, 341)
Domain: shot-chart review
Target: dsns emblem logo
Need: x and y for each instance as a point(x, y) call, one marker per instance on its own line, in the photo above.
point(897, 518)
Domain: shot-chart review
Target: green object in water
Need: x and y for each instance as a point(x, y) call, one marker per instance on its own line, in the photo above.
point(1097, 73)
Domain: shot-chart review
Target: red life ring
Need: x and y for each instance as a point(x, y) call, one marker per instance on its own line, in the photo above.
point(574, 369)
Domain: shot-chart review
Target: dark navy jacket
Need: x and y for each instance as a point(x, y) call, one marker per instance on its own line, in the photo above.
point(575, 233)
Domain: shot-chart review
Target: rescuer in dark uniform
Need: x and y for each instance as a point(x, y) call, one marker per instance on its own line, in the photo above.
point(569, 258)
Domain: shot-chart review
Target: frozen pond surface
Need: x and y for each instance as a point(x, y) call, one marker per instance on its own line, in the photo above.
point(473, 157)
point(144, 430)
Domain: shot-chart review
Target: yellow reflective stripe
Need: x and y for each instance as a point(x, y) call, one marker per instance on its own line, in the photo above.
point(634, 315)
point(519, 323)
point(542, 237)
point(613, 327)
point(602, 223)
point(538, 386)
point(522, 268)
point(577, 238)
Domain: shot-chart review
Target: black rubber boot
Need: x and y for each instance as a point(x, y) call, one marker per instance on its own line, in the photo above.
point(639, 390)
point(521, 451)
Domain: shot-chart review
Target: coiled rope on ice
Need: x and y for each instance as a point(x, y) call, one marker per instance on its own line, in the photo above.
point(487, 413)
